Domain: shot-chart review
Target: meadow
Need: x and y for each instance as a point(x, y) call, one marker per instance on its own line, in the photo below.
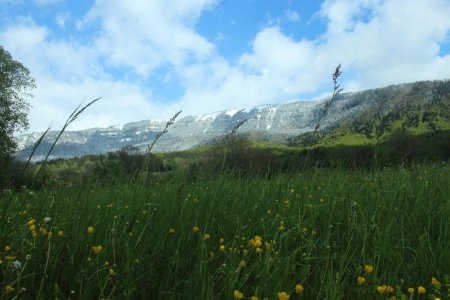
point(316, 234)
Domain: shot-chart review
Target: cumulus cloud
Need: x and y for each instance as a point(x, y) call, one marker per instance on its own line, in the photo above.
point(378, 42)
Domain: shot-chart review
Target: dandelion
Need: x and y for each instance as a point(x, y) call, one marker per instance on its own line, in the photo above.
point(171, 230)
point(221, 241)
point(411, 290)
point(435, 282)
point(32, 228)
point(206, 236)
point(368, 268)
point(60, 233)
point(299, 288)
point(7, 248)
point(195, 229)
point(254, 298)
point(97, 249)
point(361, 280)
point(31, 222)
point(421, 290)
point(90, 230)
point(238, 295)
point(283, 296)
point(281, 228)
point(222, 248)
point(10, 258)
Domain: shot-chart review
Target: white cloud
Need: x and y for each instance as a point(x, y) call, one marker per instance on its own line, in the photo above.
point(145, 35)
point(292, 16)
point(62, 18)
point(378, 43)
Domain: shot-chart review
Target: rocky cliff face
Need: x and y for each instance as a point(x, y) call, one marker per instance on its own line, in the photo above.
point(270, 122)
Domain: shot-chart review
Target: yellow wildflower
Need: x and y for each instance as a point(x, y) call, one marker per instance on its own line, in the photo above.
point(254, 298)
point(381, 289)
point(242, 263)
point(171, 230)
point(10, 257)
point(222, 248)
point(60, 233)
point(368, 268)
point(112, 272)
point(299, 288)
point(421, 290)
point(195, 229)
point(221, 241)
point(238, 295)
point(411, 290)
point(283, 296)
point(389, 289)
point(435, 282)
point(31, 222)
point(97, 249)
point(9, 288)
point(32, 228)
point(361, 280)
point(206, 236)
point(258, 250)
point(90, 230)
point(7, 248)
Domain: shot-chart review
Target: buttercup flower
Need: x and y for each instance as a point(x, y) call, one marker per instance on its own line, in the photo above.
point(421, 290)
point(97, 249)
point(283, 296)
point(299, 288)
point(238, 295)
point(368, 268)
point(435, 282)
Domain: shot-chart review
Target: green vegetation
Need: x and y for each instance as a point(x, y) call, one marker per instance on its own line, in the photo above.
point(15, 85)
point(359, 211)
point(205, 238)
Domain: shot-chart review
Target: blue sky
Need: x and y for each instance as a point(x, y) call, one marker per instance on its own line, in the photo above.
point(149, 59)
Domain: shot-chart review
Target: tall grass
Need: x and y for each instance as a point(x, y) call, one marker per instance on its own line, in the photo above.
point(318, 229)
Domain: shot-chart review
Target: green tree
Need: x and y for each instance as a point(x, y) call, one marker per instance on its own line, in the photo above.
point(16, 84)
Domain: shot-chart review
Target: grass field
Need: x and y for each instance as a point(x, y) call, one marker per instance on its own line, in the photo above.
point(322, 234)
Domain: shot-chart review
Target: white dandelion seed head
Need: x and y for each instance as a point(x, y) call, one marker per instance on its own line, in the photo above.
point(47, 220)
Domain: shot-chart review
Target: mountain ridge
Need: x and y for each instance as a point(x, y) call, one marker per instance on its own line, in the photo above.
point(273, 122)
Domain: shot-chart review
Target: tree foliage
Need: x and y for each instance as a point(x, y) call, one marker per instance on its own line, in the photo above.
point(16, 84)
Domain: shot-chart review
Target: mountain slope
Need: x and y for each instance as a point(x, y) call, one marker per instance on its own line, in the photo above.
point(360, 117)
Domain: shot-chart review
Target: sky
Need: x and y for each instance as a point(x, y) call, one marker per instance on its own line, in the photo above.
point(148, 59)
